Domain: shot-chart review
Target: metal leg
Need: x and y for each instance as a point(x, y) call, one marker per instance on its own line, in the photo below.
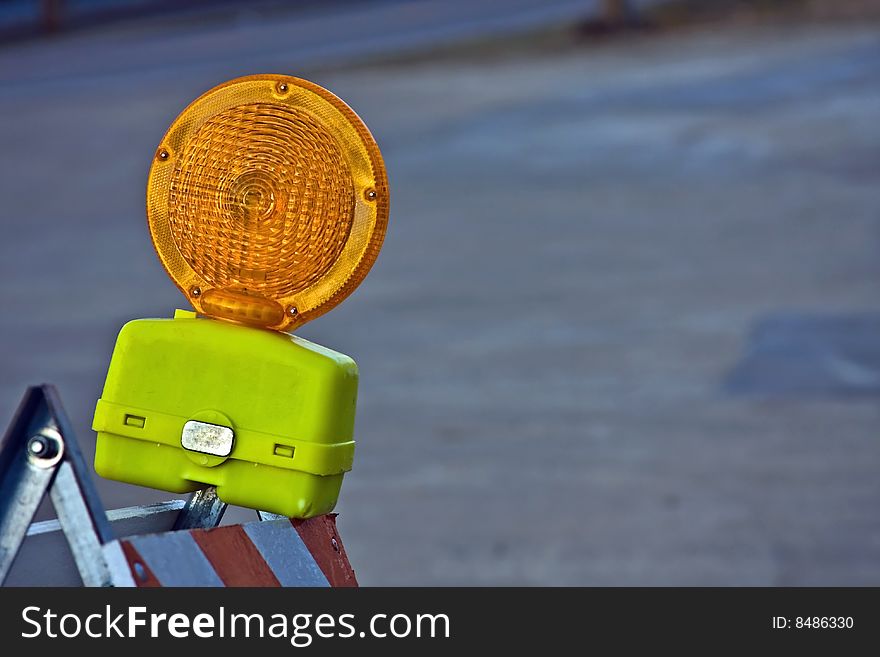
point(29, 452)
point(39, 453)
point(77, 503)
point(203, 510)
point(78, 525)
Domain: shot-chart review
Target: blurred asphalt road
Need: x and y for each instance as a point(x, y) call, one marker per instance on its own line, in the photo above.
point(234, 41)
point(581, 239)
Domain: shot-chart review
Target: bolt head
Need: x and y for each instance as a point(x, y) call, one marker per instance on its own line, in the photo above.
point(43, 449)
point(140, 572)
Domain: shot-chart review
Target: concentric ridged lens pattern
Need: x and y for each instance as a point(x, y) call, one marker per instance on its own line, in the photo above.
point(267, 201)
point(261, 199)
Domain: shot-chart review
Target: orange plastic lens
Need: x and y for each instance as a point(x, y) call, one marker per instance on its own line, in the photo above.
point(267, 201)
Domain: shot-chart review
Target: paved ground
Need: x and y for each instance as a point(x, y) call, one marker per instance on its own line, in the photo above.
point(582, 240)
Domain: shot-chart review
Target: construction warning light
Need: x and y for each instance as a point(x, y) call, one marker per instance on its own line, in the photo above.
point(267, 203)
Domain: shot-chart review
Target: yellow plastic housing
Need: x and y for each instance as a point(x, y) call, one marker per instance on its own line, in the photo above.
point(267, 201)
point(289, 403)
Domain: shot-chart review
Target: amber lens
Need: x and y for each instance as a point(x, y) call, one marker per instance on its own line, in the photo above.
point(267, 201)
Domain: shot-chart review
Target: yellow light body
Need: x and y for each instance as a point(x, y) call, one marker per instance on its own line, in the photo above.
point(289, 404)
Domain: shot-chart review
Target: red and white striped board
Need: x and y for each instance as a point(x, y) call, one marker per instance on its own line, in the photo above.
point(285, 552)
